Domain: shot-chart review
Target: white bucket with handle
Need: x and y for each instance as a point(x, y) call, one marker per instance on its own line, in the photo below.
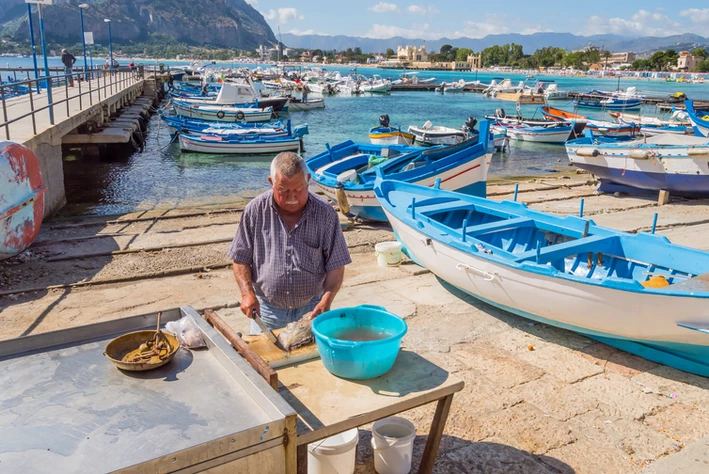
point(393, 444)
point(388, 253)
point(334, 455)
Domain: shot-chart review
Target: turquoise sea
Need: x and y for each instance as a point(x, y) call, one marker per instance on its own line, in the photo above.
point(162, 176)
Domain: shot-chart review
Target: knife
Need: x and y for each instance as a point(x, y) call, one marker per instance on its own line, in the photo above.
point(271, 337)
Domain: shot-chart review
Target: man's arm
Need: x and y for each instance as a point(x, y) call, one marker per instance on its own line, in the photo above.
point(333, 282)
point(249, 302)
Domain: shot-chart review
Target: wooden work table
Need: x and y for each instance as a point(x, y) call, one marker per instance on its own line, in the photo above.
point(327, 405)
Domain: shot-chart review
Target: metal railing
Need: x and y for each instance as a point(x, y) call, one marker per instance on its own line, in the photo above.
point(89, 87)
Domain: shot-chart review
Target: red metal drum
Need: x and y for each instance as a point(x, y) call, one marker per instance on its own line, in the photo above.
point(21, 198)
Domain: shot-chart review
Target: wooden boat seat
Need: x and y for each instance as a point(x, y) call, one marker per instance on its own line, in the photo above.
point(594, 243)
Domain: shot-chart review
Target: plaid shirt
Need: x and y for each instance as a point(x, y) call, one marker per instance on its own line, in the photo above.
point(288, 267)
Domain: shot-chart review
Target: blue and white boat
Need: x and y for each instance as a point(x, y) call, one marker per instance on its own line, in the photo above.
point(350, 169)
point(220, 113)
point(674, 163)
point(181, 124)
point(636, 292)
point(241, 145)
point(699, 119)
point(556, 132)
point(611, 103)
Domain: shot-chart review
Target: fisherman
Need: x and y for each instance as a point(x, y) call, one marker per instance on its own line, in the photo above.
point(306, 89)
point(68, 60)
point(289, 252)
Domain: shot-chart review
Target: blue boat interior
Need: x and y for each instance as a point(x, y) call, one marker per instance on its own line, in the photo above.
point(365, 159)
point(569, 246)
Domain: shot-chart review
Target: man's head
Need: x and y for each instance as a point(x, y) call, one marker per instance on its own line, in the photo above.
point(63, 51)
point(289, 177)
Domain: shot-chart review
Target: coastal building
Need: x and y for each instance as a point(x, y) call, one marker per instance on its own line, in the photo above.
point(411, 57)
point(625, 57)
point(411, 53)
point(686, 61)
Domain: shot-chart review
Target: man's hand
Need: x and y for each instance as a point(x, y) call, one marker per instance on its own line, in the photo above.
point(249, 304)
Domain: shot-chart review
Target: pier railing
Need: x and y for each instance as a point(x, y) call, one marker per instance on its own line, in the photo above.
point(54, 97)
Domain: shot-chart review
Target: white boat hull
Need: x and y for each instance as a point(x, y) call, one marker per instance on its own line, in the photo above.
point(250, 115)
point(309, 105)
point(530, 136)
point(217, 147)
point(590, 309)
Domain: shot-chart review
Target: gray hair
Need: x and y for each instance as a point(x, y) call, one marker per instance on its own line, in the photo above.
point(288, 164)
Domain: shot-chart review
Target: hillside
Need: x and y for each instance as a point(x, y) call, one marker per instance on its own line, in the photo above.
point(217, 23)
point(530, 43)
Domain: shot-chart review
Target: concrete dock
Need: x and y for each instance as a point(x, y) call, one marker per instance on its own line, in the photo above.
point(26, 119)
point(537, 399)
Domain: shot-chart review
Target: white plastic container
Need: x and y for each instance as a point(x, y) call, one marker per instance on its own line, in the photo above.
point(334, 455)
point(388, 253)
point(393, 444)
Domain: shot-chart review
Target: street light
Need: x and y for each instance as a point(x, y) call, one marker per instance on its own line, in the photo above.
point(83, 7)
point(34, 50)
point(110, 41)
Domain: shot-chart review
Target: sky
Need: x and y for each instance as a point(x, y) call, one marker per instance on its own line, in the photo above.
point(476, 19)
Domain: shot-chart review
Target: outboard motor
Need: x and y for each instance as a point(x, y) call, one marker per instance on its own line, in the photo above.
point(500, 113)
point(470, 123)
point(384, 120)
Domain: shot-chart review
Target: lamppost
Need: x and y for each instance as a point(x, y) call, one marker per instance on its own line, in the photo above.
point(110, 42)
point(83, 7)
point(48, 80)
point(34, 49)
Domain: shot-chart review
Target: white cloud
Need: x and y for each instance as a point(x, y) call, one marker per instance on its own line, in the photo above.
point(493, 24)
point(423, 9)
point(384, 7)
point(699, 19)
point(297, 32)
point(415, 32)
point(283, 15)
point(642, 23)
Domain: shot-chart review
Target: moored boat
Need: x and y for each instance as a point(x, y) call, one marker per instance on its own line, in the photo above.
point(598, 127)
point(636, 292)
point(220, 144)
point(349, 169)
point(178, 124)
point(428, 134)
point(310, 104)
point(699, 119)
point(677, 164)
point(221, 113)
point(558, 132)
point(385, 134)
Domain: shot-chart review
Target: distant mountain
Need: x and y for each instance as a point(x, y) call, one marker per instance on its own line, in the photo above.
point(218, 23)
point(530, 43)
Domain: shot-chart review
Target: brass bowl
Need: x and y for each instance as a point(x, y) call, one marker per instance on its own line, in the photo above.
point(117, 349)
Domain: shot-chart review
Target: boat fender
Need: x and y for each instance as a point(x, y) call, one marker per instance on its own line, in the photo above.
point(240, 115)
point(639, 154)
point(342, 201)
point(698, 151)
point(587, 152)
point(220, 114)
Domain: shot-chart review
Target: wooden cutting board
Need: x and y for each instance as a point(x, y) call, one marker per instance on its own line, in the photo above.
point(277, 358)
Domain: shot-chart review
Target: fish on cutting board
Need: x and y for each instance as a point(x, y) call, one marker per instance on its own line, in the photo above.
point(296, 334)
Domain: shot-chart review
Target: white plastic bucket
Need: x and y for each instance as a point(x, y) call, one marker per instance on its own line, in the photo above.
point(393, 444)
point(388, 253)
point(334, 455)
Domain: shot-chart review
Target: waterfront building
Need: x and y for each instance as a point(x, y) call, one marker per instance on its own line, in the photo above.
point(686, 61)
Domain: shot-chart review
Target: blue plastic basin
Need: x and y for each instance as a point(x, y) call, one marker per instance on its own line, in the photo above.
point(358, 359)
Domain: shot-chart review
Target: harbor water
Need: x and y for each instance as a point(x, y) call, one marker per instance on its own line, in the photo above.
point(164, 177)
